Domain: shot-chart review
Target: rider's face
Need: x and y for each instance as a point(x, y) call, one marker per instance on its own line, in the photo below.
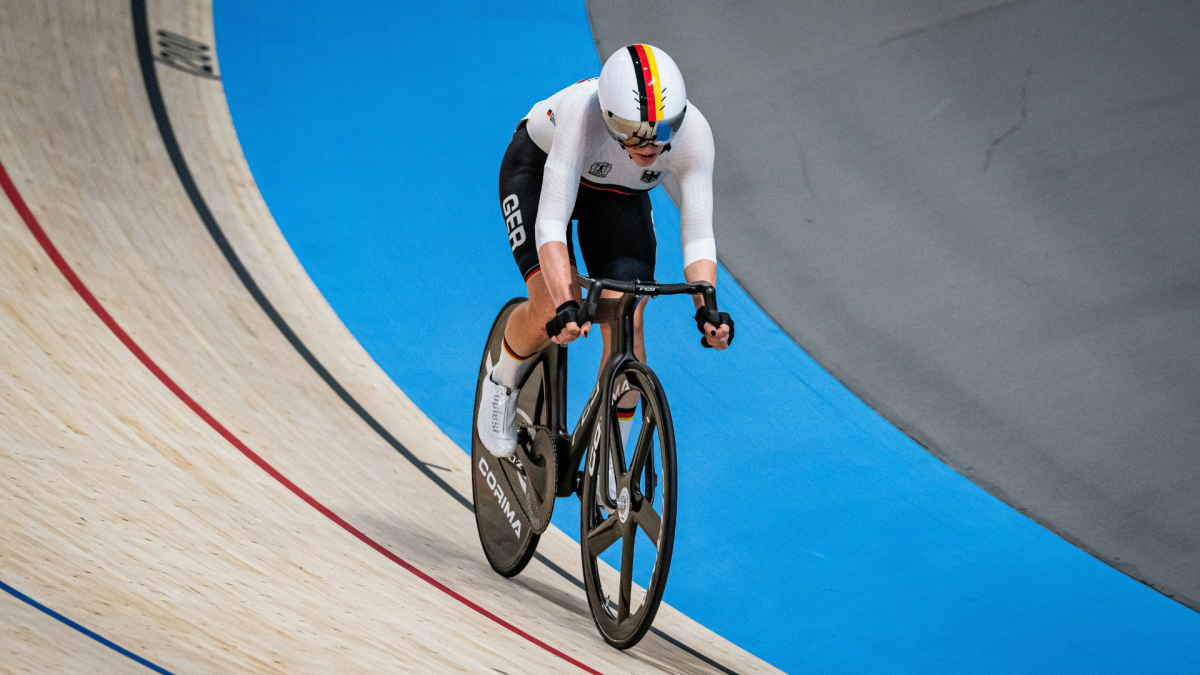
point(645, 155)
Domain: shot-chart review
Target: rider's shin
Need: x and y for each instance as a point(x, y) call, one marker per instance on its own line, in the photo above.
point(512, 369)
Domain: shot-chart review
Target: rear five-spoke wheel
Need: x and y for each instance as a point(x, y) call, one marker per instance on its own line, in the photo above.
point(628, 520)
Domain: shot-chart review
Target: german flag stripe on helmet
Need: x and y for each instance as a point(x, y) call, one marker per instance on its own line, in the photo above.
point(649, 86)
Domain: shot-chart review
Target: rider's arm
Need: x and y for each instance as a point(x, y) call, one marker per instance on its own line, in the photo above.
point(701, 270)
point(556, 270)
point(689, 185)
point(560, 186)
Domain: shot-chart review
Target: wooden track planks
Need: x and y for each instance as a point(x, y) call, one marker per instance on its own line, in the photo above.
point(124, 505)
point(31, 641)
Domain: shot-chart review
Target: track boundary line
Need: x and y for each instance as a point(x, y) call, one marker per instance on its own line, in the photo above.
point(92, 302)
point(90, 633)
point(141, 29)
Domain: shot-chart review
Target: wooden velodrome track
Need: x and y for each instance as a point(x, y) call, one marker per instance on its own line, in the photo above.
point(199, 462)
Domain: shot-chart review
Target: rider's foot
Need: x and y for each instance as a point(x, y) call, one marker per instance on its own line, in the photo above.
point(497, 414)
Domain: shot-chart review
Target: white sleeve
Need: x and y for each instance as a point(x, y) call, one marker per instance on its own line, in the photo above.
point(691, 188)
point(670, 185)
point(560, 180)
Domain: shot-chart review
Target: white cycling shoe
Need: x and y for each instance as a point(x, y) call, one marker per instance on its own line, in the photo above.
point(496, 423)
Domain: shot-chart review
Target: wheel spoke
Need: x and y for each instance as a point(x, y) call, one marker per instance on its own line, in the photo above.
point(616, 452)
point(648, 519)
point(626, 577)
point(615, 460)
point(604, 470)
point(604, 535)
point(649, 478)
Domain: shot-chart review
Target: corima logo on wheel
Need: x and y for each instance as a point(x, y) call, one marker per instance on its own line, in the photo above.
point(494, 485)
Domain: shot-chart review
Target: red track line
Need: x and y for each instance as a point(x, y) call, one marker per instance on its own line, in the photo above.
point(38, 233)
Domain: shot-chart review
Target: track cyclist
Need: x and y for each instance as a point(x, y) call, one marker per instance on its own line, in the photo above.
point(590, 154)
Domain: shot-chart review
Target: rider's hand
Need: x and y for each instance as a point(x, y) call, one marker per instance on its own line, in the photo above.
point(570, 332)
point(563, 329)
point(717, 337)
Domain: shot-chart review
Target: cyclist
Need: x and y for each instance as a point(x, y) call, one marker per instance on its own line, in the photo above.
point(591, 153)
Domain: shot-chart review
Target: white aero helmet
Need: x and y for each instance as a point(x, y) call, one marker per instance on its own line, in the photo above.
point(642, 96)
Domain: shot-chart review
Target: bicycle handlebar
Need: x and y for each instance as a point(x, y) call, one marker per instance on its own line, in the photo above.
point(595, 286)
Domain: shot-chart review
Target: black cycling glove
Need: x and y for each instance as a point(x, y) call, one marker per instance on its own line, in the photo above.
point(566, 313)
point(702, 318)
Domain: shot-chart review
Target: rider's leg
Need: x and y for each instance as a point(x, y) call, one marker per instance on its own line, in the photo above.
point(520, 183)
point(521, 338)
point(521, 173)
point(526, 329)
point(627, 404)
point(616, 238)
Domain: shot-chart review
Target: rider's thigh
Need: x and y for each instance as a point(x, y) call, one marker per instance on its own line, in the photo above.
point(616, 234)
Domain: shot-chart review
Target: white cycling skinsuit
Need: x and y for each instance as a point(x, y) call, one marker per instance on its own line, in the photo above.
point(564, 164)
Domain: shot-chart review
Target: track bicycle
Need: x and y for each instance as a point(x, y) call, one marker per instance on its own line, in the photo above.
point(625, 489)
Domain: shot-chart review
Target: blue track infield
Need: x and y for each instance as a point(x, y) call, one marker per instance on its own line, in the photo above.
point(811, 532)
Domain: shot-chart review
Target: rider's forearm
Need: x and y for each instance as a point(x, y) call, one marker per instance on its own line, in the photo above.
point(556, 270)
point(701, 270)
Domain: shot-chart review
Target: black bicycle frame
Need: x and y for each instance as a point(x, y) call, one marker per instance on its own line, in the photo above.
point(619, 310)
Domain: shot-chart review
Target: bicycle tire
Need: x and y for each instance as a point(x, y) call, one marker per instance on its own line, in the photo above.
point(639, 489)
point(509, 521)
